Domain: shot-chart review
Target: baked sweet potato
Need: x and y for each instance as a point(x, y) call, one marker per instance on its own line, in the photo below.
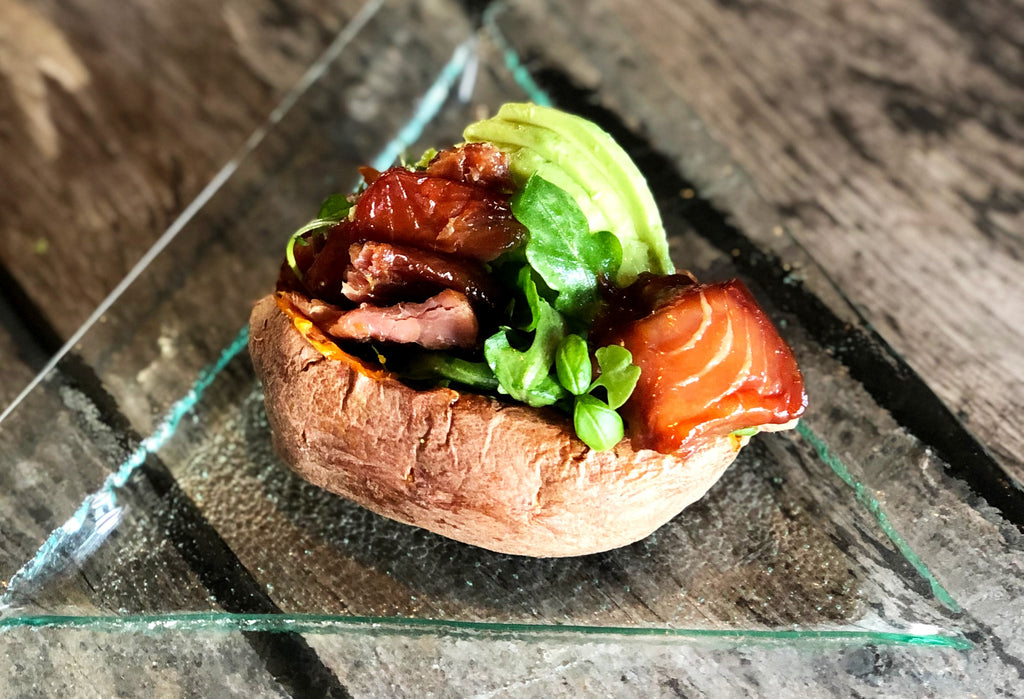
point(504, 477)
point(530, 267)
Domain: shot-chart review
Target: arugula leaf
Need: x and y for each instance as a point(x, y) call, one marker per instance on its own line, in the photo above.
point(334, 208)
point(572, 364)
point(438, 365)
point(526, 375)
point(618, 374)
point(529, 288)
point(597, 424)
point(561, 248)
point(425, 159)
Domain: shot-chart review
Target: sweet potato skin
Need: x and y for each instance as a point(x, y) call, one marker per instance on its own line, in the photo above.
point(503, 477)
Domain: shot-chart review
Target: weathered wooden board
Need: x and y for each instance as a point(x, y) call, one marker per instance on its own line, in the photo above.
point(404, 666)
point(881, 143)
point(141, 566)
point(117, 115)
point(83, 663)
point(303, 550)
point(982, 568)
point(58, 447)
point(195, 297)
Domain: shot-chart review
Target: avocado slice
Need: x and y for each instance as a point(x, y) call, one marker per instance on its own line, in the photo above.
point(579, 157)
point(525, 162)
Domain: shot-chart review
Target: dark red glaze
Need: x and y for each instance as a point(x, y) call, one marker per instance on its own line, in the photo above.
point(437, 214)
point(473, 163)
point(456, 214)
point(381, 273)
point(711, 363)
point(325, 277)
point(305, 254)
point(649, 292)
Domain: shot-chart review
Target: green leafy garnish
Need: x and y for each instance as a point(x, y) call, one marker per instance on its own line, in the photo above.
point(745, 432)
point(438, 365)
point(333, 210)
point(572, 364)
point(425, 159)
point(315, 226)
point(558, 284)
point(618, 374)
point(528, 286)
point(596, 424)
point(561, 248)
point(525, 375)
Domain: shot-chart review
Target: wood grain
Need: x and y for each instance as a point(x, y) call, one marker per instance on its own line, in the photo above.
point(84, 663)
point(888, 171)
point(819, 129)
point(117, 115)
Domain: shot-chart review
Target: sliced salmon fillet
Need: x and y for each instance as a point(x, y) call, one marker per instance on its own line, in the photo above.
point(711, 363)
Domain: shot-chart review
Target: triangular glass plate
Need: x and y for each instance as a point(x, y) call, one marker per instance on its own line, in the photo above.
point(139, 485)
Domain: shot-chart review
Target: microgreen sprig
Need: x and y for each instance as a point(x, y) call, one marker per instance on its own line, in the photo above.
point(595, 420)
point(333, 210)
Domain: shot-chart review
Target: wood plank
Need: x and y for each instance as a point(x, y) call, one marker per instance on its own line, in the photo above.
point(886, 169)
point(118, 115)
point(84, 663)
point(314, 552)
point(133, 563)
point(980, 563)
point(138, 548)
point(154, 155)
point(414, 666)
point(331, 557)
point(71, 434)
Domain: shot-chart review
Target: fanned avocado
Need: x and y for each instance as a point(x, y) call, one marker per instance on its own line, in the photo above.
point(577, 156)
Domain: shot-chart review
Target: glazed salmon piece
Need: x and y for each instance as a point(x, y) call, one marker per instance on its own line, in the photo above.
point(711, 363)
point(480, 164)
point(436, 214)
